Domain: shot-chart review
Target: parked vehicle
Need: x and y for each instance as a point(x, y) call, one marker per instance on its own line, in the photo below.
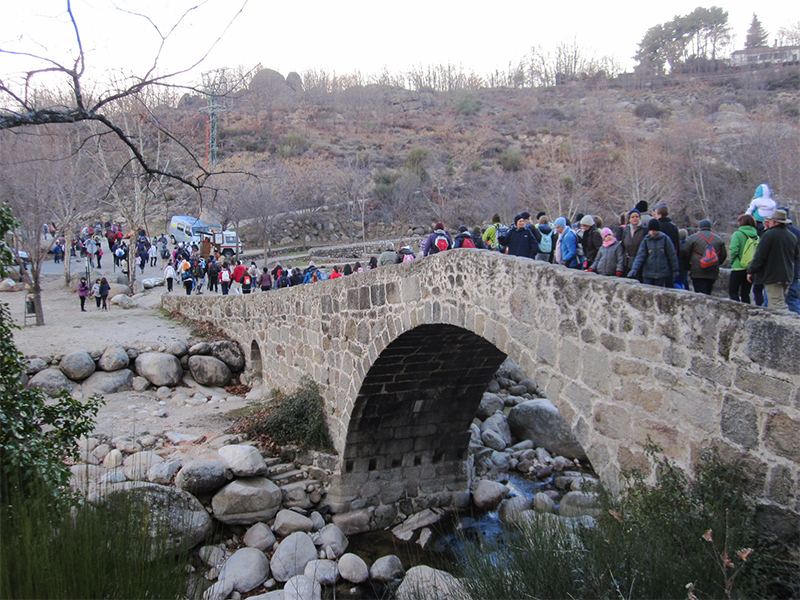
point(188, 229)
point(225, 242)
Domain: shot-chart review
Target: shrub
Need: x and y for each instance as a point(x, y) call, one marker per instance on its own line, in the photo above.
point(648, 544)
point(648, 110)
point(297, 418)
point(466, 103)
point(292, 145)
point(511, 160)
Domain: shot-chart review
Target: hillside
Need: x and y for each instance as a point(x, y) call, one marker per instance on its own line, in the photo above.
point(701, 144)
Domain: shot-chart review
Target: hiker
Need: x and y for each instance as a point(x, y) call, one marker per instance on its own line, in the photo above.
point(702, 255)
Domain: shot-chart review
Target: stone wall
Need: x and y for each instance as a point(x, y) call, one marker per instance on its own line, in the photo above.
point(399, 352)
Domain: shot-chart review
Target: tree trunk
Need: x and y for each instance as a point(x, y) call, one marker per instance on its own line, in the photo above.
point(67, 259)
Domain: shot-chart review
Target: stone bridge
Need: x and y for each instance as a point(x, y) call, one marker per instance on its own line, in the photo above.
point(403, 354)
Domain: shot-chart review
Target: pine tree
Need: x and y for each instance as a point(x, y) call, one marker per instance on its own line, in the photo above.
point(756, 34)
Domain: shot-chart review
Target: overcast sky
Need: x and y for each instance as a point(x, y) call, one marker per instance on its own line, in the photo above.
point(350, 35)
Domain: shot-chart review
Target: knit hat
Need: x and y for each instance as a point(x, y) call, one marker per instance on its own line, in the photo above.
point(517, 218)
point(653, 225)
point(606, 231)
point(641, 206)
point(635, 210)
point(560, 222)
point(462, 229)
point(705, 224)
point(439, 225)
point(525, 214)
point(495, 218)
point(588, 220)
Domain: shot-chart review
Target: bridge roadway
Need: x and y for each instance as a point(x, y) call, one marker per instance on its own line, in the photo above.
point(403, 354)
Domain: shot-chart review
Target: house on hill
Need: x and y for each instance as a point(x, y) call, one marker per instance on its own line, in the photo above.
point(765, 56)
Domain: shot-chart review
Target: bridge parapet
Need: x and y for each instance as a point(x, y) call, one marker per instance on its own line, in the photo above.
point(623, 363)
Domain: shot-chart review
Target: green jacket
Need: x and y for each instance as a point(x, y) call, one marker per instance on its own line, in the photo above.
point(693, 250)
point(490, 235)
point(738, 241)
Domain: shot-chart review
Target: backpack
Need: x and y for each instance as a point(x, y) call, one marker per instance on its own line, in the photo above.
point(408, 257)
point(213, 269)
point(709, 258)
point(246, 281)
point(749, 251)
point(502, 237)
point(440, 244)
point(186, 275)
point(225, 275)
point(546, 243)
point(468, 243)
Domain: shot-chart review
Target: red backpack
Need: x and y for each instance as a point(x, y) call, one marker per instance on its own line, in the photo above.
point(709, 258)
point(468, 243)
point(441, 243)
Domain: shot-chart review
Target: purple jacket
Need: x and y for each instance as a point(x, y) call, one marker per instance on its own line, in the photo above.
point(83, 289)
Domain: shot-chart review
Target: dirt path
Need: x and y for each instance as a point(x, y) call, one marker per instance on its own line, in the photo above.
point(126, 414)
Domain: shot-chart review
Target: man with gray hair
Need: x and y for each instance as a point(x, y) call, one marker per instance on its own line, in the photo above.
point(388, 256)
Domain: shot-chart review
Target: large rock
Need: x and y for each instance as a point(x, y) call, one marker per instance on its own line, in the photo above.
point(51, 381)
point(488, 494)
point(124, 301)
point(292, 556)
point(104, 382)
point(288, 522)
point(159, 368)
point(259, 536)
point(247, 568)
point(113, 358)
point(579, 504)
point(137, 465)
point(117, 289)
point(334, 539)
point(207, 370)
point(301, 587)
point(201, 475)
point(386, 569)
point(230, 353)
point(497, 424)
point(324, 572)
point(539, 420)
point(243, 461)
point(352, 568)
point(247, 501)
point(187, 521)
point(431, 584)
point(77, 365)
point(490, 404)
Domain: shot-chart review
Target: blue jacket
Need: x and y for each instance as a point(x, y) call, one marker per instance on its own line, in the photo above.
point(569, 249)
point(656, 258)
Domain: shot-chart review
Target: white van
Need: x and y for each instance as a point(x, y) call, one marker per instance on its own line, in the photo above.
point(187, 229)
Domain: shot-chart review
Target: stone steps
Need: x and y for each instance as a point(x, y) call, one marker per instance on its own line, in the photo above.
point(288, 477)
point(275, 469)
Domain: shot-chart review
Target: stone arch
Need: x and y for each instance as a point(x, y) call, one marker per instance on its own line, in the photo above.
point(408, 432)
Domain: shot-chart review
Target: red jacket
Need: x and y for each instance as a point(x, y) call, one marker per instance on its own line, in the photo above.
point(238, 271)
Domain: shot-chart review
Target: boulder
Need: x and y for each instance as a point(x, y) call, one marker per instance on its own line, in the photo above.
point(35, 365)
point(163, 472)
point(159, 368)
point(386, 569)
point(243, 461)
point(333, 539)
point(51, 381)
point(207, 370)
point(201, 475)
point(187, 520)
point(542, 503)
point(431, 584)
point(510, 509)
point(123, 301)
point(230, 353)
point(259, 536)
point(539, 420)
point(498, 425)
point(137, 465)
point(355, 521)
point(113, 358)
point(176, 348)
point(105, 382)
point(488, 494)
point(292, 556)
point(324, 572)
point(8, 285)
point(288, 521)
point(152, 282)
point(247, 501)
point(77, 365)
point(352, 568)
point(490, 404)
point(301, 587)
point(579, 504)
point(200, 349)
point(247, 568)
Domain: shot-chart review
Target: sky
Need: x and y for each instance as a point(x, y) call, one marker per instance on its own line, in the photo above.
point(346, 36)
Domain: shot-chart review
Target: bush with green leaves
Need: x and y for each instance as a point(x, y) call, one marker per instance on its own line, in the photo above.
point(649, 543)
point(36, 433)
point(511, 160)
point(296, 418)
point(466, 103)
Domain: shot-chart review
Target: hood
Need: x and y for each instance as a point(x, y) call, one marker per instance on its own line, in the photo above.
point(544, 228)
point(439, 232)
point(762, 191)
point(748, 230)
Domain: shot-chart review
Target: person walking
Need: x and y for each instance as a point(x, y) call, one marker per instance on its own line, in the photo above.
point(95, 293)
point(169, 276)
point(105, 288)
point(743, 247)
point(775, 258)
point(656, 259)
point(83, 292)
point(702, 255)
